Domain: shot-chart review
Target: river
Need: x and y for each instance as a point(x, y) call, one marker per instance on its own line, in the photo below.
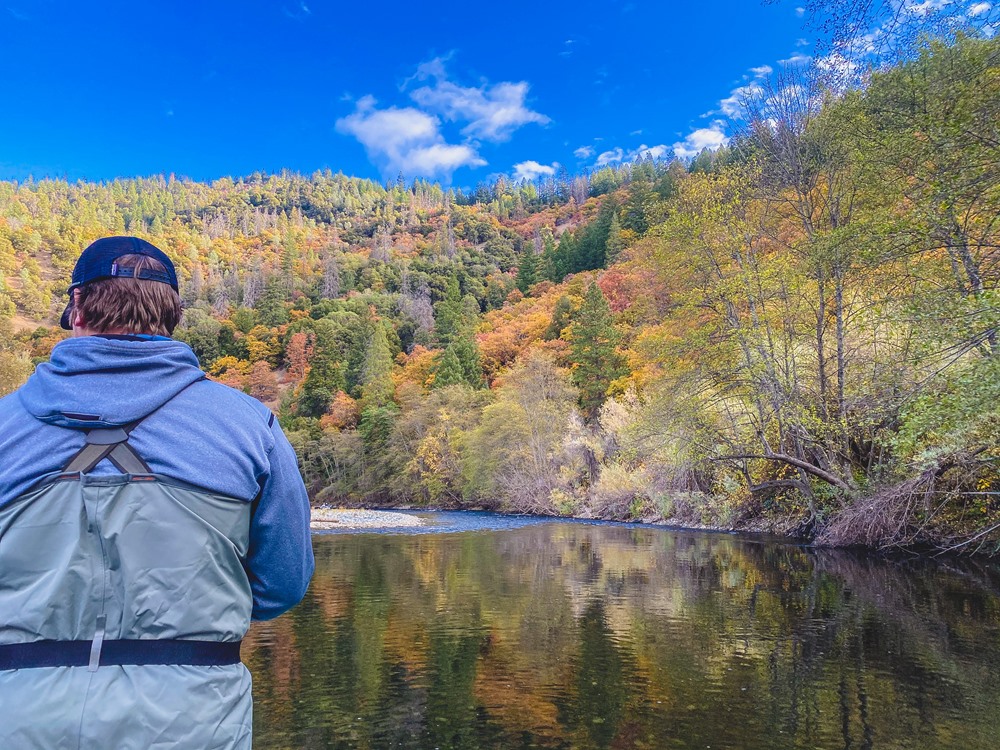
point(499, 632)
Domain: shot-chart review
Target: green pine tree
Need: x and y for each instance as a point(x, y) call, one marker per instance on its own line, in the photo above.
point(561, 257)
point(467, 352)
point(593, 351)
point(449, 369)
point(527, 271)
point(561, 315)
point(449, 313)
point(377, 388)
point(634, 214)
point(616, 242)
point(271, 310)
point(326, 372)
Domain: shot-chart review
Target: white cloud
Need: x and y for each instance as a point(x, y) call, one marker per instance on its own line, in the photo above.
point(406, 140)
point(391, 126)
point(607, 157)
point(440, 158)
point(797, 58)
point(493, 112)
point(532, 170)
point(428, 69)
point(735, 104)
point(619, 154)
point(409, 139)
point(979, 8)
point(584, 152)
point(651, 152)
point(711, 138)
point(800, 12)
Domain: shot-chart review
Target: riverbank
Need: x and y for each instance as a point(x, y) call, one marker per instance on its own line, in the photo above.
point(359, 518)
point(332, 519)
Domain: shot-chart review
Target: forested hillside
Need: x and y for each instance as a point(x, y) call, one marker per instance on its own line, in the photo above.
point(799, 331)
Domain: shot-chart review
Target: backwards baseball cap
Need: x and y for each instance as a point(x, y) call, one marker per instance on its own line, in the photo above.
point(100, 261)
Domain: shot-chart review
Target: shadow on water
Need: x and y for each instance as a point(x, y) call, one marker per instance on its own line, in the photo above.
point(559, 634)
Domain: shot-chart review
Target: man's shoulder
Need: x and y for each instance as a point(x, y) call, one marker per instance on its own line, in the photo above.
point(220, 397)
point(11, 407)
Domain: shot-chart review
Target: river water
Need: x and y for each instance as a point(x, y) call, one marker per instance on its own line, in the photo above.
point(508, 633)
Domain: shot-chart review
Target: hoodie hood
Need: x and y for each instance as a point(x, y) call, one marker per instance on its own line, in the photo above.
point(93, 381)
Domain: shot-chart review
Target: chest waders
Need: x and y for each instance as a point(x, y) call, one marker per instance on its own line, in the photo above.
point(123, 599)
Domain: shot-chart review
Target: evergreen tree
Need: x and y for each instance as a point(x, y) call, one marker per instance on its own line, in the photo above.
point(271, 310)
point(326, 372)
point(377, 388)
point(546, 265)
point(561, 316)
point(527, 271)
point(229, 344)
point(448, 313)
point(616, 241)
point(703, 162)
point(289, 260)
point(467, 351)
point(643, 170)
point(561, 258)
point(603, 181)
point(244, 319)
point(449, 370)
point(593, 253)
point(470, 315)
point(634, 212)
point(455, 325)
point(375, 426)
point(593, 342)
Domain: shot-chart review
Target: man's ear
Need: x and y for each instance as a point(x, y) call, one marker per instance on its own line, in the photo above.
point(76, 317)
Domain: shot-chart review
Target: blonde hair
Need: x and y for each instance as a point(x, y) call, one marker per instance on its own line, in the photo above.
point(130, 305)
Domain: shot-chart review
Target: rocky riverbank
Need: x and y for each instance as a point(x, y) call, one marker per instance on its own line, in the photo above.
point(327, 519)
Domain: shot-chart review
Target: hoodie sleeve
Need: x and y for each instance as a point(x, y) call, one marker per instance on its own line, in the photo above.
point(280, 559)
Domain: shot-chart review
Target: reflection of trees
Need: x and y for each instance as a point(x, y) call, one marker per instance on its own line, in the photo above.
point(452, 719)
point(595, 708)
point(568, 635)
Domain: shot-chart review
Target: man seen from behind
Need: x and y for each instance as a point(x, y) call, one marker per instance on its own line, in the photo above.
point(147, 514)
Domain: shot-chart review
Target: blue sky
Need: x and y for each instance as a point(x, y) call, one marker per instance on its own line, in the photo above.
point(459, 92)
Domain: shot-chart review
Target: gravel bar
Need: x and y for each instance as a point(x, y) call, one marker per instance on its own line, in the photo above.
point(325, 519)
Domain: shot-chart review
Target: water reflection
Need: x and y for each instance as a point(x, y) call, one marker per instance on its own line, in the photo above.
point(564, 635)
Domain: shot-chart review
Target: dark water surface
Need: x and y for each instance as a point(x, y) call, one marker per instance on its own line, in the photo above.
point(519, 633)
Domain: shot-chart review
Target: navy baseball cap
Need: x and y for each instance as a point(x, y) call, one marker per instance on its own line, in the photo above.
point(99, 261)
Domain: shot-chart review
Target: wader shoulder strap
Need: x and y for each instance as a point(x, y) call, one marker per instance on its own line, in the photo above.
point(112, 443)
